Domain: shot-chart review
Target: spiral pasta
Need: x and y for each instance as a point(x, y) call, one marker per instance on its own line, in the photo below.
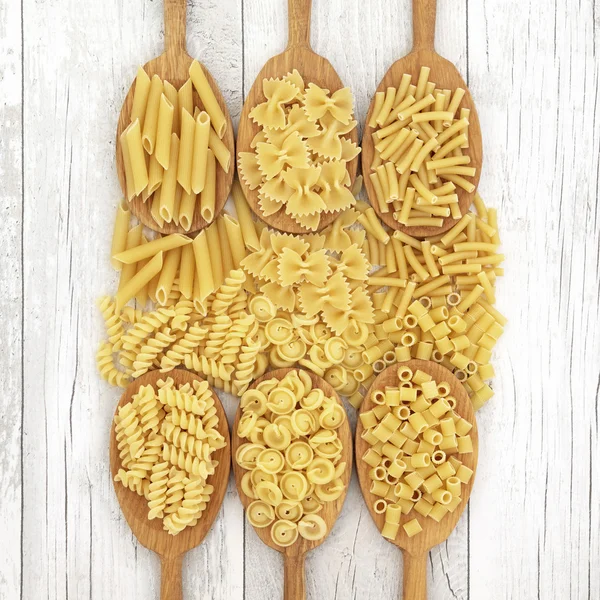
point(166, 439)
point(293, 465)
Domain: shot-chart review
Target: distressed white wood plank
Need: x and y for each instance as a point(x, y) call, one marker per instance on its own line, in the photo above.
point(534, 521)
point(75, 536)
point(11, 297)
point(534, 72)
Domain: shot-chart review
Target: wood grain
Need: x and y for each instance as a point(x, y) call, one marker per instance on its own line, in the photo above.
point(433, 533)
point(173, 65)
point(314, 69)
point(135, 508)
point(446, 76)
point(539, 59)
point(294, 554)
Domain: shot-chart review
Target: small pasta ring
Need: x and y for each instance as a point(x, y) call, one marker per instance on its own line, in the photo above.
point(262, 308)
point(279, 331)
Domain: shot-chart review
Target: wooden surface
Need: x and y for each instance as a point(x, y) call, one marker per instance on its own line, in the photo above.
point(416, 548)
point(135, 508)
point(532, 527)
point(446, 76)
point(173, 65)
point(294, 554)
point(314, 69)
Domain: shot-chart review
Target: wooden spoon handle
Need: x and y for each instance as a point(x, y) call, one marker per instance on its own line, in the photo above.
point(415, 577)
point(170, 578)
point(299, 22)
point(175, 23)
point(294, 580)
point(423, 24)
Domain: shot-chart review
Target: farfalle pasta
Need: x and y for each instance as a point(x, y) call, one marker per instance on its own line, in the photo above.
point(292, 456)
point(300, 155)
point(166, 438)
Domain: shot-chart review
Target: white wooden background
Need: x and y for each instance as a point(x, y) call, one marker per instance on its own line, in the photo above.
point(532, 527)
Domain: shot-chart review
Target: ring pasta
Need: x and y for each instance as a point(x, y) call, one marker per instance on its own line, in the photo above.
point(303, 474)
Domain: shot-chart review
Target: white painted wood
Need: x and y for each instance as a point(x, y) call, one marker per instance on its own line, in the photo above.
point(532, 528)
point(11, 298)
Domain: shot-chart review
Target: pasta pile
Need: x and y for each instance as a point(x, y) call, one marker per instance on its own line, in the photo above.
point(418, 162)
point(300, 153)
point(166, 439)
point(292, 456)
point(171, 147)
point(240, 299)
point(415, 436)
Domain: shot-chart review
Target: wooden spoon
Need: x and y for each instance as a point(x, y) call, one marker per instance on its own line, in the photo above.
point(151, 534)
point(294, 580)
point(314, 69)
point(415, 549)
point(173, 65)
point(446, 76)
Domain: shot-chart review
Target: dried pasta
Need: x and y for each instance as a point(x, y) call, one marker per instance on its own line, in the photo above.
point(292, 456)
point(160, 117)
point(166, 438)
point(299, 160)
point(418, 143)
point(415, 452)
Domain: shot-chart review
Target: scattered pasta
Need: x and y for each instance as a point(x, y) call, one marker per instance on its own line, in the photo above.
point(291, 455)
point(240, 299)
point(419, 135)
point(416, 440)
point(299, 157)
point(166, 438)
point(171, 148)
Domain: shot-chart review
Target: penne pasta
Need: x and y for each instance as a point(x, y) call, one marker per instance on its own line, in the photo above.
point(208, 99)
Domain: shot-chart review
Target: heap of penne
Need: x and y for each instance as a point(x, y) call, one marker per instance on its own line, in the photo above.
point(171, 147)
point(419, 138)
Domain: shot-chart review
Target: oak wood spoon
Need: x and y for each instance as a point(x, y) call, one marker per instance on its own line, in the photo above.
point(151, 534)
point(314, 69)
point(173, 65)
point(446, 76)
point(415, 549)
point(294, 555)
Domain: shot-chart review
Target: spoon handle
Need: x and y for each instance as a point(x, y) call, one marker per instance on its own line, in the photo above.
point(299, 22)
point(175, 24)
point(170, 578)
point(294, 580)
point(415, 577)
point(423, 24)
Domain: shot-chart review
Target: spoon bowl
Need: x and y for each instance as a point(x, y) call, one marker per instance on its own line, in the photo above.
point(446, 76)
point(294, 555)
point(314, 69)
point(173, 65)
point(151, 534)
point(415, 548)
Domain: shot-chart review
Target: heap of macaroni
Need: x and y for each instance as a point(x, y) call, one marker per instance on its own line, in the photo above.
point(418, 163)
point(416, 440)
point(292, 456)
point(300, 153)
point(345, 303)
point(166, 440)
point(171, 148)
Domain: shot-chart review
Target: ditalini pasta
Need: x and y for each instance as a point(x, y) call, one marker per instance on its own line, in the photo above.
point(292, 456)
point(299, 158)
point(166, 439)
point(165, 147)
point(418, 141)
point(327, 302)
point(416, 443)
